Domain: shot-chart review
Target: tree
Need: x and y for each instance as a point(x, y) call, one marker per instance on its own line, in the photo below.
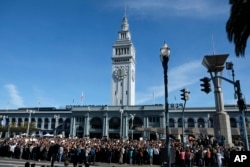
point(238, 25)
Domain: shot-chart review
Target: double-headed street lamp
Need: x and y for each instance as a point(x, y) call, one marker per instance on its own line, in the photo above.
point(132, 117)
point(121, 111)
point(28, 128)
point(164, 56)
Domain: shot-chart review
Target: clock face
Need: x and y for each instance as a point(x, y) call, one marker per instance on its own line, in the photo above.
point(120, 73)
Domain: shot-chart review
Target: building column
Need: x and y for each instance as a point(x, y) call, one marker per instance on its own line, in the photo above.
point(72, 127)
point(125, 125)
point(195, 123)
point(162, 120)
point(105, 125)
point(206, 123)
point(145, 124)
point(42, 123)
point(22, 123)
point(49, 124)
point(175, 123)
point(86, 125)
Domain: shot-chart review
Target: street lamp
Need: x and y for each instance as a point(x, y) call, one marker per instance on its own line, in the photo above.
point(164, 56)
point(121, 111)
point(29, 111)
point(132, 117)
point(56, 123)
point(3, 122)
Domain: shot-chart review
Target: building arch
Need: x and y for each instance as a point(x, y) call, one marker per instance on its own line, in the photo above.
point(79, 131)
point(190, 123)
point(171, 122)
point(96, 123)
point(39, 123)
point(210, 122)
point(53, 123)
point(137, 122)
point(201, 123)
point(233, 123)
point(20, 122)
point(67, 124)
point(114, 123)
point(179, 122)
point(46, 123)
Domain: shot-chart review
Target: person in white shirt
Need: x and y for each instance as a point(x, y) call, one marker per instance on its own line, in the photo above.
point(219, 158)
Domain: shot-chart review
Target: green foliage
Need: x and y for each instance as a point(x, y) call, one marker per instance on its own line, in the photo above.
point(238, 25)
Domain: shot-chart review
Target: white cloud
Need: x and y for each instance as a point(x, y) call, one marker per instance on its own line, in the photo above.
point(178, 78)
point(16, 99)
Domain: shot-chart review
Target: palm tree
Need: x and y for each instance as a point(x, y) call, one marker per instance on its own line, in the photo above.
point(238, 25)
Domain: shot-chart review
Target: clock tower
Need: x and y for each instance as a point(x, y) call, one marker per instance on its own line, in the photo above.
point(123, 68)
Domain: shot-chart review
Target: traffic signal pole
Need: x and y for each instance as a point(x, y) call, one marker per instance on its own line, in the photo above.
point(183, 108)
point(242, 108)
point(184, 96)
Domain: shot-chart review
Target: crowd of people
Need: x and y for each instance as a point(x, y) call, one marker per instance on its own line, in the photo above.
point(203, 151)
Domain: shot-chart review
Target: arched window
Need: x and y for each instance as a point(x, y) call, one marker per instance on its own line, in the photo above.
point(67, 124)
point(53, 123)
point(190, 122)
point(46, 123)
point(137, 122)
point(201, 123)
point(180, 122)
point(233, 123)
point(20, 121)
point(39, 123)
point(114, 123)
point(96, 123)
point(171, 122)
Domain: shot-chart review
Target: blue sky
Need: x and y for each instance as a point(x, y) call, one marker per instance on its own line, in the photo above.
point(53, 50)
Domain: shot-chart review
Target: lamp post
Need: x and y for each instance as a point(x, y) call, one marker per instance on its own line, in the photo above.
point(121, 111)
point(164, 56)
point(28, 128)
point(56, 123)
point(208, 120)
point(3, 121)
point(132, 117)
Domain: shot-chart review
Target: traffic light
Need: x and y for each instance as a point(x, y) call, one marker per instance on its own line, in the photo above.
point(184, 94)
point(206, 86)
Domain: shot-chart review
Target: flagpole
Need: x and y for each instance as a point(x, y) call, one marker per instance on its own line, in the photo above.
point(7, 109)
point(154, 97)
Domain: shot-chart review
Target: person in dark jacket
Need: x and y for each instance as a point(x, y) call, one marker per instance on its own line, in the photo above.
point(52, 154)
